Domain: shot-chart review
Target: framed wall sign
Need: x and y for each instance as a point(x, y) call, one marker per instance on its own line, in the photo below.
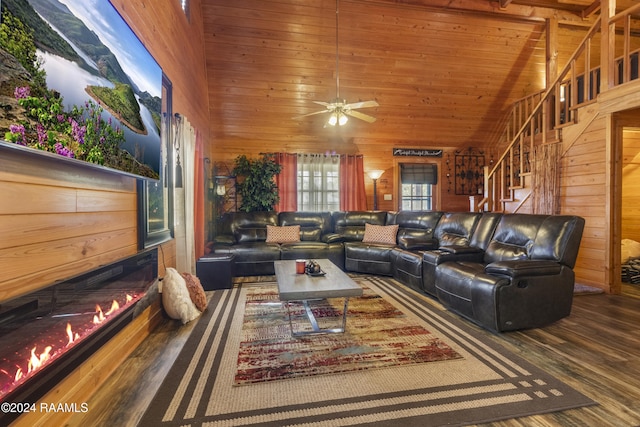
point(417, 152)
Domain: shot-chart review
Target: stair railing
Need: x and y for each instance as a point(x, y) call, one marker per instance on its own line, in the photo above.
point(555, 108)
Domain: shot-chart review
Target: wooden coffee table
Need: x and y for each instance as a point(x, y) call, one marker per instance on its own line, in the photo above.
point(303, 287)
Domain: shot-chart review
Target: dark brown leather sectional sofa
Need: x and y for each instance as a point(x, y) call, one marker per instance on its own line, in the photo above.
point(501, 271)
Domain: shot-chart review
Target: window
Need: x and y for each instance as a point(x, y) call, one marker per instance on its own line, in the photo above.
point(318, 183)
point(416, 197)
point(417, 181)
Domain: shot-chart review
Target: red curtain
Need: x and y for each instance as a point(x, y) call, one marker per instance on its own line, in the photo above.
point(287, 182)
point(198, 208)
point(352, 195)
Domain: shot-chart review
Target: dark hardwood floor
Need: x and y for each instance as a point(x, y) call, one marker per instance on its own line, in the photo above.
point(596, 350)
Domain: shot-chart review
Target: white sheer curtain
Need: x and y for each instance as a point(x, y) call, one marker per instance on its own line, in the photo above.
point(318, 182)
point(185, 145)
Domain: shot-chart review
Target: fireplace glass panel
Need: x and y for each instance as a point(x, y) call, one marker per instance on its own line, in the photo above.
point(42, 328)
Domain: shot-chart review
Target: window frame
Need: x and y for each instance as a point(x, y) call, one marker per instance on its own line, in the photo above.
point(309, 189)
point(433, 192)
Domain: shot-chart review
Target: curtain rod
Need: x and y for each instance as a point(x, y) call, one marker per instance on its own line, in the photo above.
point(313, 154)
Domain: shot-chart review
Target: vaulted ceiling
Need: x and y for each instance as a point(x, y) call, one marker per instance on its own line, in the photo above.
point(443, 72)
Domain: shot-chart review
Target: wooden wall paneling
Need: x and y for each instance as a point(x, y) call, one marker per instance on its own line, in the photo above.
point(23, 230)
point(29, 198)
point(253, 64)
point(583, 193)
point(37, 278)
point(631, 185)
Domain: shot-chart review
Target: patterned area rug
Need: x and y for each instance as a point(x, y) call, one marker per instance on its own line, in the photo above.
point(487, 384)
point(377, 335)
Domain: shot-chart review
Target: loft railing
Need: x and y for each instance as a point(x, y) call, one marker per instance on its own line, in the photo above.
point(540, 117)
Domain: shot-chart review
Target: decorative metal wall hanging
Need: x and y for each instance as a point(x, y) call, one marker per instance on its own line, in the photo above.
point(469, 171)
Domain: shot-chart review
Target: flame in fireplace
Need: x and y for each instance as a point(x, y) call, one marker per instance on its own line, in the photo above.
point(38, 358)
point(114, 307)
point(99, 316)
point(71, 335)
point(36, 361)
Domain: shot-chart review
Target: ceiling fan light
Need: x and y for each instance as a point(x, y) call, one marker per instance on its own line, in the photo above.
point(333, 119)
point(342, 119)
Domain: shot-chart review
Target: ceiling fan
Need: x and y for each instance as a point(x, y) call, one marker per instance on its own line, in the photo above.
point(338, 109)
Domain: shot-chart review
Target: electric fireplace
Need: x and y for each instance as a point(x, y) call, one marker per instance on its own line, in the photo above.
point(47, 333)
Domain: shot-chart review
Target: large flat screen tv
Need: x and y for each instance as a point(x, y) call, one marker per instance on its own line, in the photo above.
point(96, 63)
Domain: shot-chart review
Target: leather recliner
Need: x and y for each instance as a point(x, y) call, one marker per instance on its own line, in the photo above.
point(524, 278)
point(462, 237)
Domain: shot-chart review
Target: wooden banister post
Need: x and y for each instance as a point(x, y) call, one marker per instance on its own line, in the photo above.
point(607, 45)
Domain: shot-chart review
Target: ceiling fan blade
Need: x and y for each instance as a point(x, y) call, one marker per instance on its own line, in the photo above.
point(326, 104)
point(361, 116)
point(363, 104)
point(312, 114)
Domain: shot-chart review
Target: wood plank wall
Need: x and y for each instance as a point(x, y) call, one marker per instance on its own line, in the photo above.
point(268, 60)
point(583, 192)
point(60, 221)
point(631, 185)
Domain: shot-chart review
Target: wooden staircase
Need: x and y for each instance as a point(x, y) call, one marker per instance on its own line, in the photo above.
point(552, 116)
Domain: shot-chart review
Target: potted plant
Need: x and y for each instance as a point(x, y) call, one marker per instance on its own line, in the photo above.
point(256, 185)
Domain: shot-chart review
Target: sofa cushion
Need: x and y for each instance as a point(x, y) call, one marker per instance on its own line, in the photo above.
point(350, 225)
point(384, 234)
point(251, 226)
point(250, 234)
point(283, 234)
point(513, 238)
point(313, 225)
point(416, 229)
point(456, 228)
point(370, 258)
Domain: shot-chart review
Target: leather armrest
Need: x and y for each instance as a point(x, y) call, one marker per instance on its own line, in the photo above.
point(524, 268)
point(332, 238)
point(460, 249)
point(439, 256)
point(416, 243)
point(224, 239)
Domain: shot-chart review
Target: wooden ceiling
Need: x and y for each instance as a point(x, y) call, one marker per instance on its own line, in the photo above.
point(443, 72)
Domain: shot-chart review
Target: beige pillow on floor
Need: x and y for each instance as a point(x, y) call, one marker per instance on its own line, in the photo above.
point(175, 297)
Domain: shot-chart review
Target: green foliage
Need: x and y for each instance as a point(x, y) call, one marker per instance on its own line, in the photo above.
point(122, 101)
point(45, 37)
point(80, 133)
point(17, 39)
point(256, 184)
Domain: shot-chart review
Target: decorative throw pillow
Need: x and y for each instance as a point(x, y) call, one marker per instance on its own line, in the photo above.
point(196, 291)
point(284, 234)
point(175, 297)
point(385, 234)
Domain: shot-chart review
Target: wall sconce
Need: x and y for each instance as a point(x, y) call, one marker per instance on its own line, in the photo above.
point(375, 175)
point(221, 188)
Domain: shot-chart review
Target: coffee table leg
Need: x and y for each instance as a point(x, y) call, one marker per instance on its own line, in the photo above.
point(344, 314)
point(314, 323)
